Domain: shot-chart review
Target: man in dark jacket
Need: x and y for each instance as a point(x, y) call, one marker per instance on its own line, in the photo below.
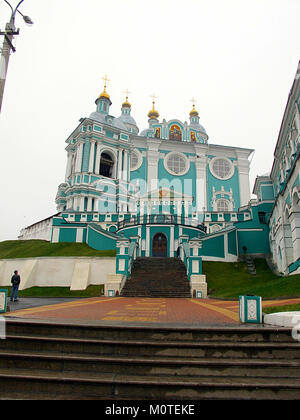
point(15, 281)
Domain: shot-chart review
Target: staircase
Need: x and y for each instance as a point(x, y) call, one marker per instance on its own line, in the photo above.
point(64, 360)
point(250, 265)
point(156, 277)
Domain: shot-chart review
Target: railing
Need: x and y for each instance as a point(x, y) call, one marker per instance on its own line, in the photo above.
point(130, 257)
point(184, 256)
point(165, 219)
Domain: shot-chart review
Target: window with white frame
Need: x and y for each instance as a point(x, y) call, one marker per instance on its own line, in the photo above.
point(221, 168)
point(135, 160)
point(222, 204)
point(176, 163)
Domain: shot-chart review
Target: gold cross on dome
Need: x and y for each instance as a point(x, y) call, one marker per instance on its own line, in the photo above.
point(153, 97)
point(127, 93)
point(193, 100)
point(105, 80)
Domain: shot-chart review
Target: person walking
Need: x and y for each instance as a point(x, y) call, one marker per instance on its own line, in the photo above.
point(15, 281)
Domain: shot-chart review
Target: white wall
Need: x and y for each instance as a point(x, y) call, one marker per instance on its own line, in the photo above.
point(74, 272)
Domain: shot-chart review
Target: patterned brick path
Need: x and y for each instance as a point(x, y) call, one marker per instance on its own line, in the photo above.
point(141, 310)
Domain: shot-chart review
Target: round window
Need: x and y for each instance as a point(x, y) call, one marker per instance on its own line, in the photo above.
point(221, 168)
point(135, 160)
point(176, 164)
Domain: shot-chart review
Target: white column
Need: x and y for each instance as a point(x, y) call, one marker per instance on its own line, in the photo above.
point(79, 234)
point(201, 196)
point(81, 205)
point(89, 205)
point(171, 241)
point(152, 161)
point(55, 234)
point(125, 166)
point(69, 165)
point(79, 157)
point(120, 153)
point(98, 156)
point(244, 183)
point(92, 154)
point(147, 241)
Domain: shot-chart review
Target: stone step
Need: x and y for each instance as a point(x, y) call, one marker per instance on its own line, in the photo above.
point(160, 366)
point(211, 349)
point(66, 360)
point(150, 277)
point(78, 385)
point(56, 329)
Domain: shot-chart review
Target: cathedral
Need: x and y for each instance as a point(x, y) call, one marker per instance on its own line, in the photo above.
point(167, 190)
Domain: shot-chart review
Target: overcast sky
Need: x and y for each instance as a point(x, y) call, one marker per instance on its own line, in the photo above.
point(237, 58)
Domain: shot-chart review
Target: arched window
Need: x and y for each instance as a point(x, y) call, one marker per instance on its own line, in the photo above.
point(214, 228)
point(106, 165)
point(222, 205)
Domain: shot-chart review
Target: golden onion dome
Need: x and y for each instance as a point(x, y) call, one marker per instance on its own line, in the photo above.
point(104, 94)
point(126, 103)
point(194, 112)
point(153, 114)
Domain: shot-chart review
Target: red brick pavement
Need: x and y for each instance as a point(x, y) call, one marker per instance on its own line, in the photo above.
point(141, 310)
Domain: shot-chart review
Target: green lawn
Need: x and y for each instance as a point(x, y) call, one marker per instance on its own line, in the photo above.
point(91, 291)
point(282, 308)
point(230, 280)
point(39, 248)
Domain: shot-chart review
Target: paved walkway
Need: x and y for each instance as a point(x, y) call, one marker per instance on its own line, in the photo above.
point(136, 310)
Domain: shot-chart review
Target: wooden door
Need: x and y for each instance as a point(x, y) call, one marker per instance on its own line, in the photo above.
point(160, 245)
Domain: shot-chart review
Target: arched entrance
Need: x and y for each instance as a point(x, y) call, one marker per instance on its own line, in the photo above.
point(106, 165)
point(160, 245)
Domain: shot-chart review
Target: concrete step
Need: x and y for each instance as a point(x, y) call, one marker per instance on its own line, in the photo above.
point(77, 385)
point(56, 329)
point(147, 348)
point(61, 360)
point(156, 365)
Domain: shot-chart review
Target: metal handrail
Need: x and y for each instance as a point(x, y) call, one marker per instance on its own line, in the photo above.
point(166, 219)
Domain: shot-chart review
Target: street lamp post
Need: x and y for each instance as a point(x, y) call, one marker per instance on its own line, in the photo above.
point(10, 31)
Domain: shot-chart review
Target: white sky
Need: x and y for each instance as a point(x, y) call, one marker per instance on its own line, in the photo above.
point(237, 58)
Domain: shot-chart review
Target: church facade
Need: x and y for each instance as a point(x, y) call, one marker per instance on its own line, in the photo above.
point(168, 190)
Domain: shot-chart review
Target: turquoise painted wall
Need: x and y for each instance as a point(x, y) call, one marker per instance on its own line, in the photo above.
point(232, 244)
point(267, 192)
point(256, 235)
point(67, 234)
point(213, 247)
point(98, 241)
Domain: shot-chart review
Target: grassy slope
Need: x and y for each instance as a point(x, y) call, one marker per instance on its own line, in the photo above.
point(39, 248)
point(230, 280)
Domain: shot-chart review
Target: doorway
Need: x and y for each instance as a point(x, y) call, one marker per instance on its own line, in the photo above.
point(160, 245)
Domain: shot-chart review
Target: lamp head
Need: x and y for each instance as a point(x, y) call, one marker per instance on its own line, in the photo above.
point(27, 20)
